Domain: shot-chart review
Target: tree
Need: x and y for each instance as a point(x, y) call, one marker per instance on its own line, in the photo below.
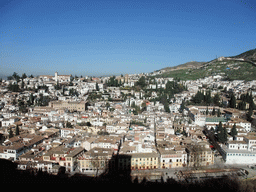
point(233, 132)
point(232, 101)
point(107, 105)
point(133, 104)
point(218, 113)
point(112, 82)
point(22, 84)
point(249, 114)
point(13, 87)
point(24, 76)
point(141, 82)
point(182, 106)
point(216, 99)
point(207, 97)
point(22, 105)
point(213, 111)
point(144, 106)
point(16, 76)
point(88, 124)
point(196, 156)
point(31, 100)
point(69, 125)
point(57, 86)
point(220, 132)
point(97, 87)
point(17, 130)
point(10, 133)
point(166, 108)
point(225, 135)
point(198, 97)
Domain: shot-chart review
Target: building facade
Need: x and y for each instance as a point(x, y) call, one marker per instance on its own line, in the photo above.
point(173, 159)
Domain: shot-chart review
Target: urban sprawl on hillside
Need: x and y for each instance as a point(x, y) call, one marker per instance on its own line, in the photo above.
point(133, 122)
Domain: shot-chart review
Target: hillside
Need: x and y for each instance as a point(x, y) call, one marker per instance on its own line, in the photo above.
point(248, 55)
point(191, 64)
point(230, 67)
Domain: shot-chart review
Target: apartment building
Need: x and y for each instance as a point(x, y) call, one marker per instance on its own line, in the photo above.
point(199, 155)
point(173, 158)
point(16, 146)
point(66, 157)
point(241, 151)
point(138, 161)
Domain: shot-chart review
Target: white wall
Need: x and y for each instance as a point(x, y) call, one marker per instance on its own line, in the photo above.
point(240, 158)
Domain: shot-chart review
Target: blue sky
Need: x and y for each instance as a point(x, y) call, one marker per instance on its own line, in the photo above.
point(118, 37)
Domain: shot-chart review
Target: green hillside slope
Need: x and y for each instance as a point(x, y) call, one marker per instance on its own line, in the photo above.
point(232, 70)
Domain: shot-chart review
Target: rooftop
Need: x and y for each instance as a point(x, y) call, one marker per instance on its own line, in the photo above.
point(215, 119)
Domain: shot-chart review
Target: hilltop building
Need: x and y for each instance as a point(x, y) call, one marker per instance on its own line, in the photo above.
point(62, 78)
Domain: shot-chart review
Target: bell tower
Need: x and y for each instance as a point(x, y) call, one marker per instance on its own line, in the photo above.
point(56, 76)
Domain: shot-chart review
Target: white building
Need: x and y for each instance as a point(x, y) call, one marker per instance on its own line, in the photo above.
point(241, 151)
point(66, 131)
point(62, 78)
point(174, 107)
point(111, 128)
point(241, 122)
point(12, 152)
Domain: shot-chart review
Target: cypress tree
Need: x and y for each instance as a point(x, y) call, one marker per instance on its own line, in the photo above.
point(218, 113)
point(17, 130)
point(207, 111)
point(220, 133)
point(233, 132)
point(225, 135)
point(213, 111)
point(232, 101)
point(10, 133)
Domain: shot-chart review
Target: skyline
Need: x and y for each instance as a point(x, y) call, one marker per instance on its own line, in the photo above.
point(118, 37)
